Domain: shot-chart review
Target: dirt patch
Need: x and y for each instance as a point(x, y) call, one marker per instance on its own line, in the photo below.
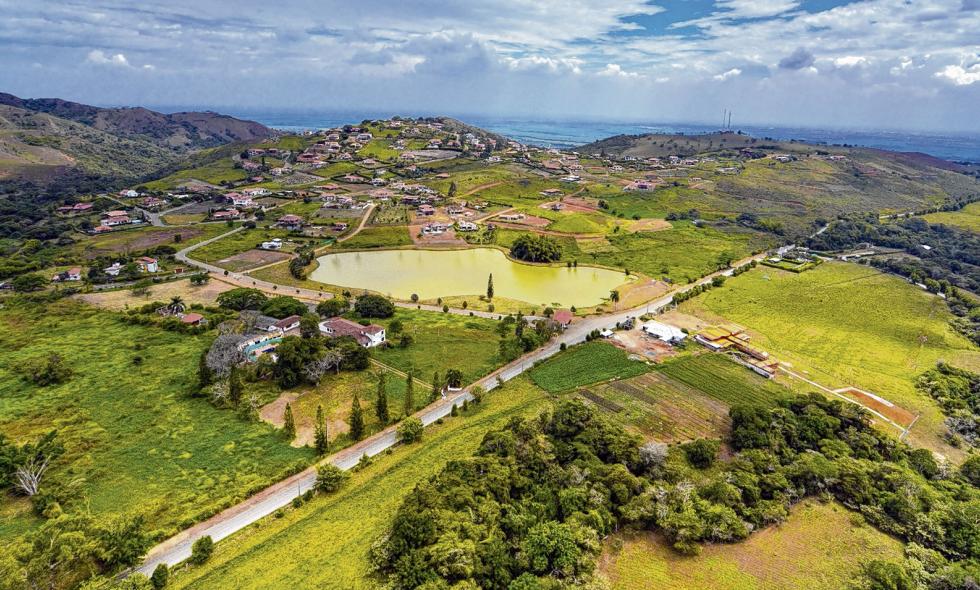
point(528, 221)
point(638, 343)
point(580, 204)
point(638, 292)
point(649, 225)
point(897, 414)
point(683, 320)
point(206, 294)
point(252, 259)
point(447, 238)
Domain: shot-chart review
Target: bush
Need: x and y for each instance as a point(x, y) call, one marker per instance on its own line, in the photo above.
point(47, 371)
point(410, 430)
point(374, 306)
point(29, 282)
point(330, 478)
point(702, 452)
point(201, 550)
point(971, 470)
point(160, 577)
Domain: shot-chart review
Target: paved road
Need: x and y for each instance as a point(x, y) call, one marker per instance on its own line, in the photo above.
point(178, 548)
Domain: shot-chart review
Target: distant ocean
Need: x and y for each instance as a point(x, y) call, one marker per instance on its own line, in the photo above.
point(565, 134)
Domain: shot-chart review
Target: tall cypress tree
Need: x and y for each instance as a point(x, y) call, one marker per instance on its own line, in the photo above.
point(490, 287)
point(381, 405)
point(205, 376)
point(235, 387)
point(288, 425)
point(436, 389)
point(409, 395)
point(321, 440)
point(356, 419)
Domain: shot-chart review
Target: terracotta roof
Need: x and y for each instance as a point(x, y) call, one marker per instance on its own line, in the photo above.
point(563, 316)
point(191, 318)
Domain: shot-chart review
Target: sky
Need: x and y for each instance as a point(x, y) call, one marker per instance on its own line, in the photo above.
point(869, 64)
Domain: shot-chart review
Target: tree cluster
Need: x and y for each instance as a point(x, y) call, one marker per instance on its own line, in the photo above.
point(958, 393)
point(535, 248)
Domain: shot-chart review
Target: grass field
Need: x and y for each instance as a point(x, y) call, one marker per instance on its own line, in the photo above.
point(585, 364)
point(443, 341)
point(966, 218)
point(378, 237)
point(684, 399)
point(325, 543)
point(846, 324)
point(136, 240)
point(214, 173)
point(819, 547)
point(131, 432)
point(183, 219)
point(205, 294)
point(236, 243)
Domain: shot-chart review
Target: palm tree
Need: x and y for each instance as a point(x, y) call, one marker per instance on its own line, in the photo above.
point(614, 297)
point(176, 305)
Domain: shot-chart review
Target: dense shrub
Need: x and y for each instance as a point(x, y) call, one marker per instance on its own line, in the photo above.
point(374, 306)
point(242, 298)
point(535, 248)
point(283, 307)
point(201, 550)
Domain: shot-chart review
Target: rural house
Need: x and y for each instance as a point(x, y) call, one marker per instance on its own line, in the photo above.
point(367, 336)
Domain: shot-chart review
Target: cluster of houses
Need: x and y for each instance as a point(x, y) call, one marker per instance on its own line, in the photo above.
point(113, 219)
point(269, 331)
point(733, 338)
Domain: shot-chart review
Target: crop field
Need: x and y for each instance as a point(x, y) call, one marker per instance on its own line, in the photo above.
point(966, 218)
point(723, 379)
point(326, 542)
point(585, 364)
point(442, 341)
point(137, 240)
point(377, 237)
point(847, 325)
point(131, 432)
point(819, 547)
point(391, 215)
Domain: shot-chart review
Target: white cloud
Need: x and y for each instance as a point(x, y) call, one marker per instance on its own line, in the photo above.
point(959, 75)
point(97, 56)
point(850, 61)
point(755, 8)
point(732, 73)
point(617, 71)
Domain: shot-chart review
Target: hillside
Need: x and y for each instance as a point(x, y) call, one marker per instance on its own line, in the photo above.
point(178, 131)
point(655, 145)
point(40, 146)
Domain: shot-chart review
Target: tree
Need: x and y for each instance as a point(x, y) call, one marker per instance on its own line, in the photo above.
point(176, 305)
point(614, 296)
point(409, 394)
point(28, 475)
point(294, 357)
point(717, 281)
point(535, 248)
point(161, 575)
point(321, 439)
point(204, 374)
point(50, 370)
point(201, 550)
point(288, 424)
point(199, 279)
point(333, 307)
point(235, 387)
point(309, 325)
point(224, 354)
point(381, 405)
point(29, 282)
point(330, 478)
point(316, 369)
point(436, 387)
point(395, 327)
point(490, 287)
point(242, 298)
point(356, 422)
point(454, 378)
point(283, 306)
point(374, 306)
point(702, 452)
point(410, 430)
point(970, 469)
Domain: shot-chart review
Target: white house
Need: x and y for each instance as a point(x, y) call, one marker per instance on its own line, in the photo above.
point(367, 336)
point(664, 332)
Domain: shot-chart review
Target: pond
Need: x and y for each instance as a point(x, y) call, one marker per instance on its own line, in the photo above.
point(445, 273)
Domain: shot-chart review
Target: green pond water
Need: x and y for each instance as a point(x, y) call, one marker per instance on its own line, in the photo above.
point(446, 273)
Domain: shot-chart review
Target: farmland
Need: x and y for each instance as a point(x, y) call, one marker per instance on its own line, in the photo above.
point(131, 432)
point(585, 364)
point(819, 547)
point(220, 251)
point(685, 398)
point(136, 240)
point(847, 325)
point(326, 542)
point(442, 341)
point(966, 218)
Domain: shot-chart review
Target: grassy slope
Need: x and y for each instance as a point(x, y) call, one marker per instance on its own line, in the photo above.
point(378, 237)
point(236, 244)
point(120, 242)
point(846, 324)
point(589, 363)
point(966, 218)
point(131, 432)
point(325, 543)
point(443, 341)
point(818, 547)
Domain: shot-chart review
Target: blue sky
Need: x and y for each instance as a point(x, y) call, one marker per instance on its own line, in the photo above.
point(826, 63)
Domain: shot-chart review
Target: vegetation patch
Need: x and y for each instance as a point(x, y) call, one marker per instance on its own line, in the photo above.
point(585, 364)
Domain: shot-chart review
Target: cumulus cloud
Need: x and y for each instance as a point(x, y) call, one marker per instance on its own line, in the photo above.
point(850, 61)
point(97, 56)
point(799, 59)
point(617, 71)
point(959, 75)
point(732, 73)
